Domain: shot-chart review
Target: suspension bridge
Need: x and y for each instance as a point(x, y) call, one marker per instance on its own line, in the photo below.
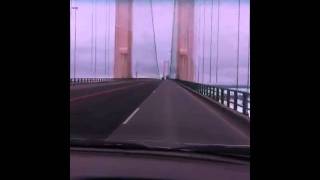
point(186, 101)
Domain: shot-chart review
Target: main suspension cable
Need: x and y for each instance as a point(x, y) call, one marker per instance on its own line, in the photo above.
point(172, 37)
point(154, 37)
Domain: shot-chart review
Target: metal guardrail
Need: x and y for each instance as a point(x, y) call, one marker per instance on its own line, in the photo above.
point(76, 81)
point(235, 99)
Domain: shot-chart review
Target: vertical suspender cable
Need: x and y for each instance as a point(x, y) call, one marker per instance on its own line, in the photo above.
point(248, 79)
point(91, 64)
point(136, 61)
point(109, 14)
point(115, 34)
point(218, 28)
point(95, 40)
point(154, 38)
point(105, 41)
point(211, 38)
point(238, 41)
point(198, 52)
point(203, 40)
point(75, 43)
point(188, 58)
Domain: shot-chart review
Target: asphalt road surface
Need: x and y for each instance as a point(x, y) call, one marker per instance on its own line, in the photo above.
point(98, 109)
point(150, 110)
point(172, 114)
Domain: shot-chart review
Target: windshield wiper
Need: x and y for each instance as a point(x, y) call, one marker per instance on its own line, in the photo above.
point(94, 143)
point(209, 149)
point(242, 151)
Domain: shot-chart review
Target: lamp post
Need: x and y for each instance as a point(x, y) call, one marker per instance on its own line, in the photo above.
point(75, 41)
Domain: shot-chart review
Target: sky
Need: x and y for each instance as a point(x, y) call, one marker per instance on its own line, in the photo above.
point(143, 55)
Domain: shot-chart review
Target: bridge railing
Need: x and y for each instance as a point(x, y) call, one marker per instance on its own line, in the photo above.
point(235, 99)
point(76, 81)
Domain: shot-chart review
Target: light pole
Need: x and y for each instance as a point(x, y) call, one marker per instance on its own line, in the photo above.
point(75, 41)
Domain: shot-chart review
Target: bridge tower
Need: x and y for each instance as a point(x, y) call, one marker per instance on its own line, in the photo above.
point(123, 39)
point(185, 21)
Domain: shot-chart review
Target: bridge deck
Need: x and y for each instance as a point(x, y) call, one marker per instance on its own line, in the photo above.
point(172, 114)
point(98, 109)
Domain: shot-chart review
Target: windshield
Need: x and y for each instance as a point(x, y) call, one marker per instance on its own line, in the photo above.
point(165, 75)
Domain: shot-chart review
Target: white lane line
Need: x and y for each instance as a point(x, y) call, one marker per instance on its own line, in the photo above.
point(134, 112)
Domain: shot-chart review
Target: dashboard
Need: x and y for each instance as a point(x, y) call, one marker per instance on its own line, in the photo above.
point(134, 165)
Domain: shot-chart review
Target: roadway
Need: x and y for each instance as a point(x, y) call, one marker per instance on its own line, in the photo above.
point(97, 109)
point(155, 111)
